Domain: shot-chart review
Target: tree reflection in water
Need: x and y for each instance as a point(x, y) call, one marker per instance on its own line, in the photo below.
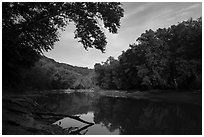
point(144, 117)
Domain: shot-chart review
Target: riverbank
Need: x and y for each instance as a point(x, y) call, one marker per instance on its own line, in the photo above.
point(158, 95)
point(19, 118)
point(22, 113)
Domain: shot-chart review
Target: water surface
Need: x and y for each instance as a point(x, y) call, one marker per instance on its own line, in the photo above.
point(124, 116)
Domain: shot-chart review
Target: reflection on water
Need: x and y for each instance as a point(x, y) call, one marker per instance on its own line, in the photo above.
point(125, 116)
point(88, 117)
point(96, 129)
point(145, 117)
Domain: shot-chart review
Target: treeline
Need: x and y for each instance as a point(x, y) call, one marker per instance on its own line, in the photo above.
point(49, 74)
point(168, 58)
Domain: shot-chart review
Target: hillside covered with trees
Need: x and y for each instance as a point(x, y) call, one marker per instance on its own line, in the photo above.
point(168, 58)
point(49, 74)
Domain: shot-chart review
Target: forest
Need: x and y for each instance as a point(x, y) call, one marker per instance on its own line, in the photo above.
point(168, 58)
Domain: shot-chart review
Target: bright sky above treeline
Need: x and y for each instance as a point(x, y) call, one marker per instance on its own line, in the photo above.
point(138, 17)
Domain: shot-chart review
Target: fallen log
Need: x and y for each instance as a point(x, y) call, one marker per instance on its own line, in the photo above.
point(77, 131)
point(64, 115)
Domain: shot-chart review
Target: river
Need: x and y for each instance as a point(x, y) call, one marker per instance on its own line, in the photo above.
point(123, 116)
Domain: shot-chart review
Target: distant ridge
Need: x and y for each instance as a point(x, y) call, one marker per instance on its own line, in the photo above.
point(49, 74)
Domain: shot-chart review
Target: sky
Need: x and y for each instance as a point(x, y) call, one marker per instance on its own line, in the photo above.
point(138, 17)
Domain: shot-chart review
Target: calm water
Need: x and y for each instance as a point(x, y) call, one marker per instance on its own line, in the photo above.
point(124, 116)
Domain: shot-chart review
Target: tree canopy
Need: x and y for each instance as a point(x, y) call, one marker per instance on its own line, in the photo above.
point(165, 58)
point(37, 24)
point(29, 28)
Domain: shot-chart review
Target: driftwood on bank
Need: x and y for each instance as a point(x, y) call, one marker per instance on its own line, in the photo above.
point(73, 132)
point(64, 115)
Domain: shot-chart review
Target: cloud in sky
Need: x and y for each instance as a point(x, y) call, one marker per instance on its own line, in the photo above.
point(138, 17)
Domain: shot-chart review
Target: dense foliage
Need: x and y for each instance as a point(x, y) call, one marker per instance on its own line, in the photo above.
point(29, 28)
point(49, 74)
point(165, 58)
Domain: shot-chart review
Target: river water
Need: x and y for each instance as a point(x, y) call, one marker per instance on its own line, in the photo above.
point(122, 116)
